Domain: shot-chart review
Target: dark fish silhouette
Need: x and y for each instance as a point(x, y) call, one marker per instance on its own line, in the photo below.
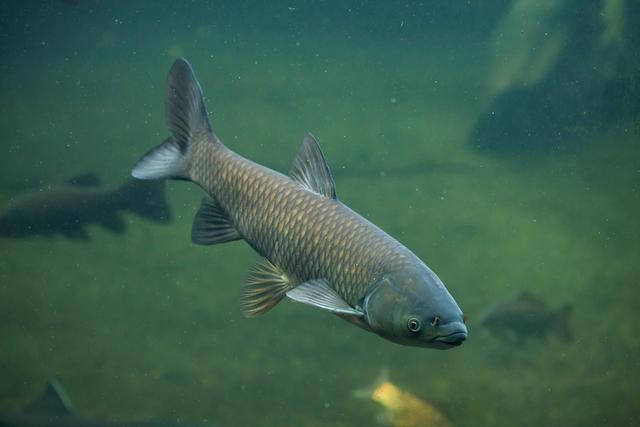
point(527, 316)
point(52, 408)
point(316, 250)
point(66, 209)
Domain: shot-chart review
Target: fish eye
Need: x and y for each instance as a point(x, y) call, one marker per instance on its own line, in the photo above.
point(413, 324)
point(435, 321)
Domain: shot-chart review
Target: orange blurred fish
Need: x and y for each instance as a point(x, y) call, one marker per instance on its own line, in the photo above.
point(403, 409)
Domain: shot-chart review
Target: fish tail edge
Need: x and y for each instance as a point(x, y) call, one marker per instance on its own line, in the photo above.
point(187, 120)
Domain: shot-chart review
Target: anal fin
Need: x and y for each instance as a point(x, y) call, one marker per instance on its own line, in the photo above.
point(265, 287)
point(212, 225)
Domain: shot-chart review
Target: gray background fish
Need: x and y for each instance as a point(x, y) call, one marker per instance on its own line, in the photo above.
point(316, 250)
point(68, 208)
point(525, 316)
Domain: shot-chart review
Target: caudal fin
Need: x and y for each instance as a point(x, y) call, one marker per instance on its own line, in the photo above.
point(186, 118)
point(146, 198)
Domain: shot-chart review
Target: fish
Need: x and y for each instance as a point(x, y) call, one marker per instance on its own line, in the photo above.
point(402, 408)
point(526, 316)
point(314, 249)
point(52, 408)
point(66, 209)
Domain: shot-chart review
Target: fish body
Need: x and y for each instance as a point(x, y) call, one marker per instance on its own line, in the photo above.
point(52, 408)
point(305, 234)
point(68, 208)
point(526, 316)
point(316, 250)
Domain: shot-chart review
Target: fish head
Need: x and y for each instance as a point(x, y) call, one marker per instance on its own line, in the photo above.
point(411, 306)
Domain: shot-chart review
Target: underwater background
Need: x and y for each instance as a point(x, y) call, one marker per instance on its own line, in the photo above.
point(496, 140)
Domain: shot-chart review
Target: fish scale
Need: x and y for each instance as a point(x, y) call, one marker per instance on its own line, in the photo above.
point(325, 239)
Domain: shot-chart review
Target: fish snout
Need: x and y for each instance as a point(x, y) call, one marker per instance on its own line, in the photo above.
point(452, 334)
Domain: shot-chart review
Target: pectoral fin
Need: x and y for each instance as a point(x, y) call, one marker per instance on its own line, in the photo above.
point(212, 225)
point(318, 293)
point(265, 287)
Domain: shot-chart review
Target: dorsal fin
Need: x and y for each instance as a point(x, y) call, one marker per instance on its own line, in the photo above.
point(52, 401)
point(310, 169)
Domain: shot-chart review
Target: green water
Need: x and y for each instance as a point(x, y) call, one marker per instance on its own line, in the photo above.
point(146, 325)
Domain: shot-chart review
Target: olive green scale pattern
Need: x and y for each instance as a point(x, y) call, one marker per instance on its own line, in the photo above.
point(306, 235)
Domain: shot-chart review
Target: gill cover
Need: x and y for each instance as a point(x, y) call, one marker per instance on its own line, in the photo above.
point(412, 307)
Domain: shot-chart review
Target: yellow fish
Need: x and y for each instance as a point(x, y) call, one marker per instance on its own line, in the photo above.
point(403, 409)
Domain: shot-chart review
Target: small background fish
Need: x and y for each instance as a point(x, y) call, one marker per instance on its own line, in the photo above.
point(526, 316)
point(68, 208)
point(402, 408)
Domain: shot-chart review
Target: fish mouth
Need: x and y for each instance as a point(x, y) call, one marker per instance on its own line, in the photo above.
point(452, 340)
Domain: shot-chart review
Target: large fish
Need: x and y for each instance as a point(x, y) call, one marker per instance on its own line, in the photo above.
point(316, 250)
point(68, 208)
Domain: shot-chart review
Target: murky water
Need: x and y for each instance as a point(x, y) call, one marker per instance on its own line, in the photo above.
point(497, 143)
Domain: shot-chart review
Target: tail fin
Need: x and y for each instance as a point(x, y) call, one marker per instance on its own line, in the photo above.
point(563, 322)
point(146, 198)
point(186, 118)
